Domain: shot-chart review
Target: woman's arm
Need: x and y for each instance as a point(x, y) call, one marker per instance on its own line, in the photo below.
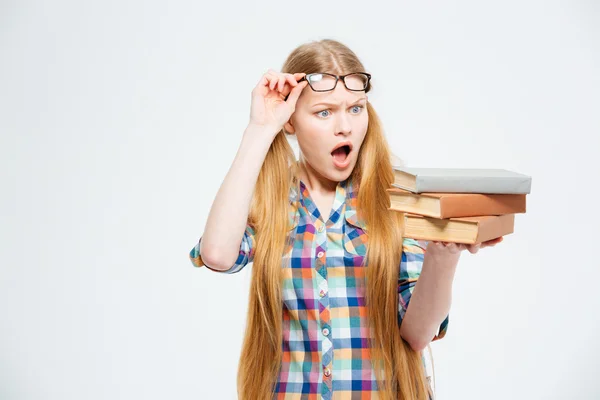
point(431, 297)
point(432, 294)
point(228, 215)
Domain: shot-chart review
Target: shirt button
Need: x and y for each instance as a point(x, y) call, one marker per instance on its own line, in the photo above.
point(320, 254)
point(326, 332)
point(327, 371)
point(321, 228)
point(322, 293)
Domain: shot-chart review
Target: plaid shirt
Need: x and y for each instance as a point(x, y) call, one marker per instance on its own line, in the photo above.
point(325, 347)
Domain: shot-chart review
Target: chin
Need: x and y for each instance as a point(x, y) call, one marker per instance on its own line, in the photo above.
point(339, 175)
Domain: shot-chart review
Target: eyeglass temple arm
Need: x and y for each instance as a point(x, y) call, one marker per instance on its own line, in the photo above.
point(300, 80)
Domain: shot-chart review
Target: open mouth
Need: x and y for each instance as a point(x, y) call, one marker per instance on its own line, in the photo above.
point(340, 153)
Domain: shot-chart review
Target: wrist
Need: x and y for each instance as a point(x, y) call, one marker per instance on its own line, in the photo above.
point(438, 254)
point(257, 130)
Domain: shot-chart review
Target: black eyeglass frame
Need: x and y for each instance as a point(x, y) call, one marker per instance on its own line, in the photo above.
point(337, 78)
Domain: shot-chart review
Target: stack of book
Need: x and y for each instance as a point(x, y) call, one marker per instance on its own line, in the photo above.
point(458, 205)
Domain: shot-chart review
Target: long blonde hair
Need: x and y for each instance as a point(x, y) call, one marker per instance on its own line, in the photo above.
point(393, 360)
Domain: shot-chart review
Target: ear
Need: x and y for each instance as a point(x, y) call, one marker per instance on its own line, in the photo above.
point(289, 128)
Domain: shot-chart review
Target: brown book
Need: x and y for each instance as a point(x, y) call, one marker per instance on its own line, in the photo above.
point(452, 205)
point(469, 230)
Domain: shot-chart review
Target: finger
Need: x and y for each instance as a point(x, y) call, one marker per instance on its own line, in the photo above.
point(281, 83)
point(273, 83)
point(294, 81)
point(493, 241)
point(295, 93)
point(291, 80)
point(261, 86)
point(453, 247)
point(273, 79)
point(474, 248)
point(264, 81)
point(290, 83)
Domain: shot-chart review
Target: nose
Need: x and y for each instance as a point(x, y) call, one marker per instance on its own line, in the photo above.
point(343, 124)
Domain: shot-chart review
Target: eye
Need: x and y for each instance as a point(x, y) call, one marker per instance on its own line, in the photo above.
point(359, 107)
point(320, 115)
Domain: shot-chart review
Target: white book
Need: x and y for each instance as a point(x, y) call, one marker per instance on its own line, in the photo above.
point(461, 180)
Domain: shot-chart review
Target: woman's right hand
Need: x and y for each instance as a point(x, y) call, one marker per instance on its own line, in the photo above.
point(269, 109)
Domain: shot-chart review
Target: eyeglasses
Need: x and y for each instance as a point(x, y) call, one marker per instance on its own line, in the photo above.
point(324, 82)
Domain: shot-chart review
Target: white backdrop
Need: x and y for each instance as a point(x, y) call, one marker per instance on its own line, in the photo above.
point(119, 120)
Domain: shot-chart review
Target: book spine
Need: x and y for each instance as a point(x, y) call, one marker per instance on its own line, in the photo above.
point(496, 227)
point(476, 205)
point(488, 185)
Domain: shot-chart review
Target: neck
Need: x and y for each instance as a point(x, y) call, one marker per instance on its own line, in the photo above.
point(314, 181)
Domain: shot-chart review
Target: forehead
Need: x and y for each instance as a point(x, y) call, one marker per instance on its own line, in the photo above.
point(340, 95)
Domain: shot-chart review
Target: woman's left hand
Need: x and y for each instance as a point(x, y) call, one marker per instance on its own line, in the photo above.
point(453, 248)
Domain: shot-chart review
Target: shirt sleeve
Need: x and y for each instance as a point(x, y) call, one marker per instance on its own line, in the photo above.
point(413, 254)
point(246, 254)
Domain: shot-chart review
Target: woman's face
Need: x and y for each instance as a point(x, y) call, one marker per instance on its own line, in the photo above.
point(323, 121)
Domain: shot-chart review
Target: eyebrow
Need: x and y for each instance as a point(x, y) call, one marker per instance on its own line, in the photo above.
point(335, 105)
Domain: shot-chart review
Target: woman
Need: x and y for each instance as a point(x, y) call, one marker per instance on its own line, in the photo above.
point(332, 275)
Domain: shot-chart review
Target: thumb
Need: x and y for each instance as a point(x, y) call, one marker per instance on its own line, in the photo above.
point(295, 93)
